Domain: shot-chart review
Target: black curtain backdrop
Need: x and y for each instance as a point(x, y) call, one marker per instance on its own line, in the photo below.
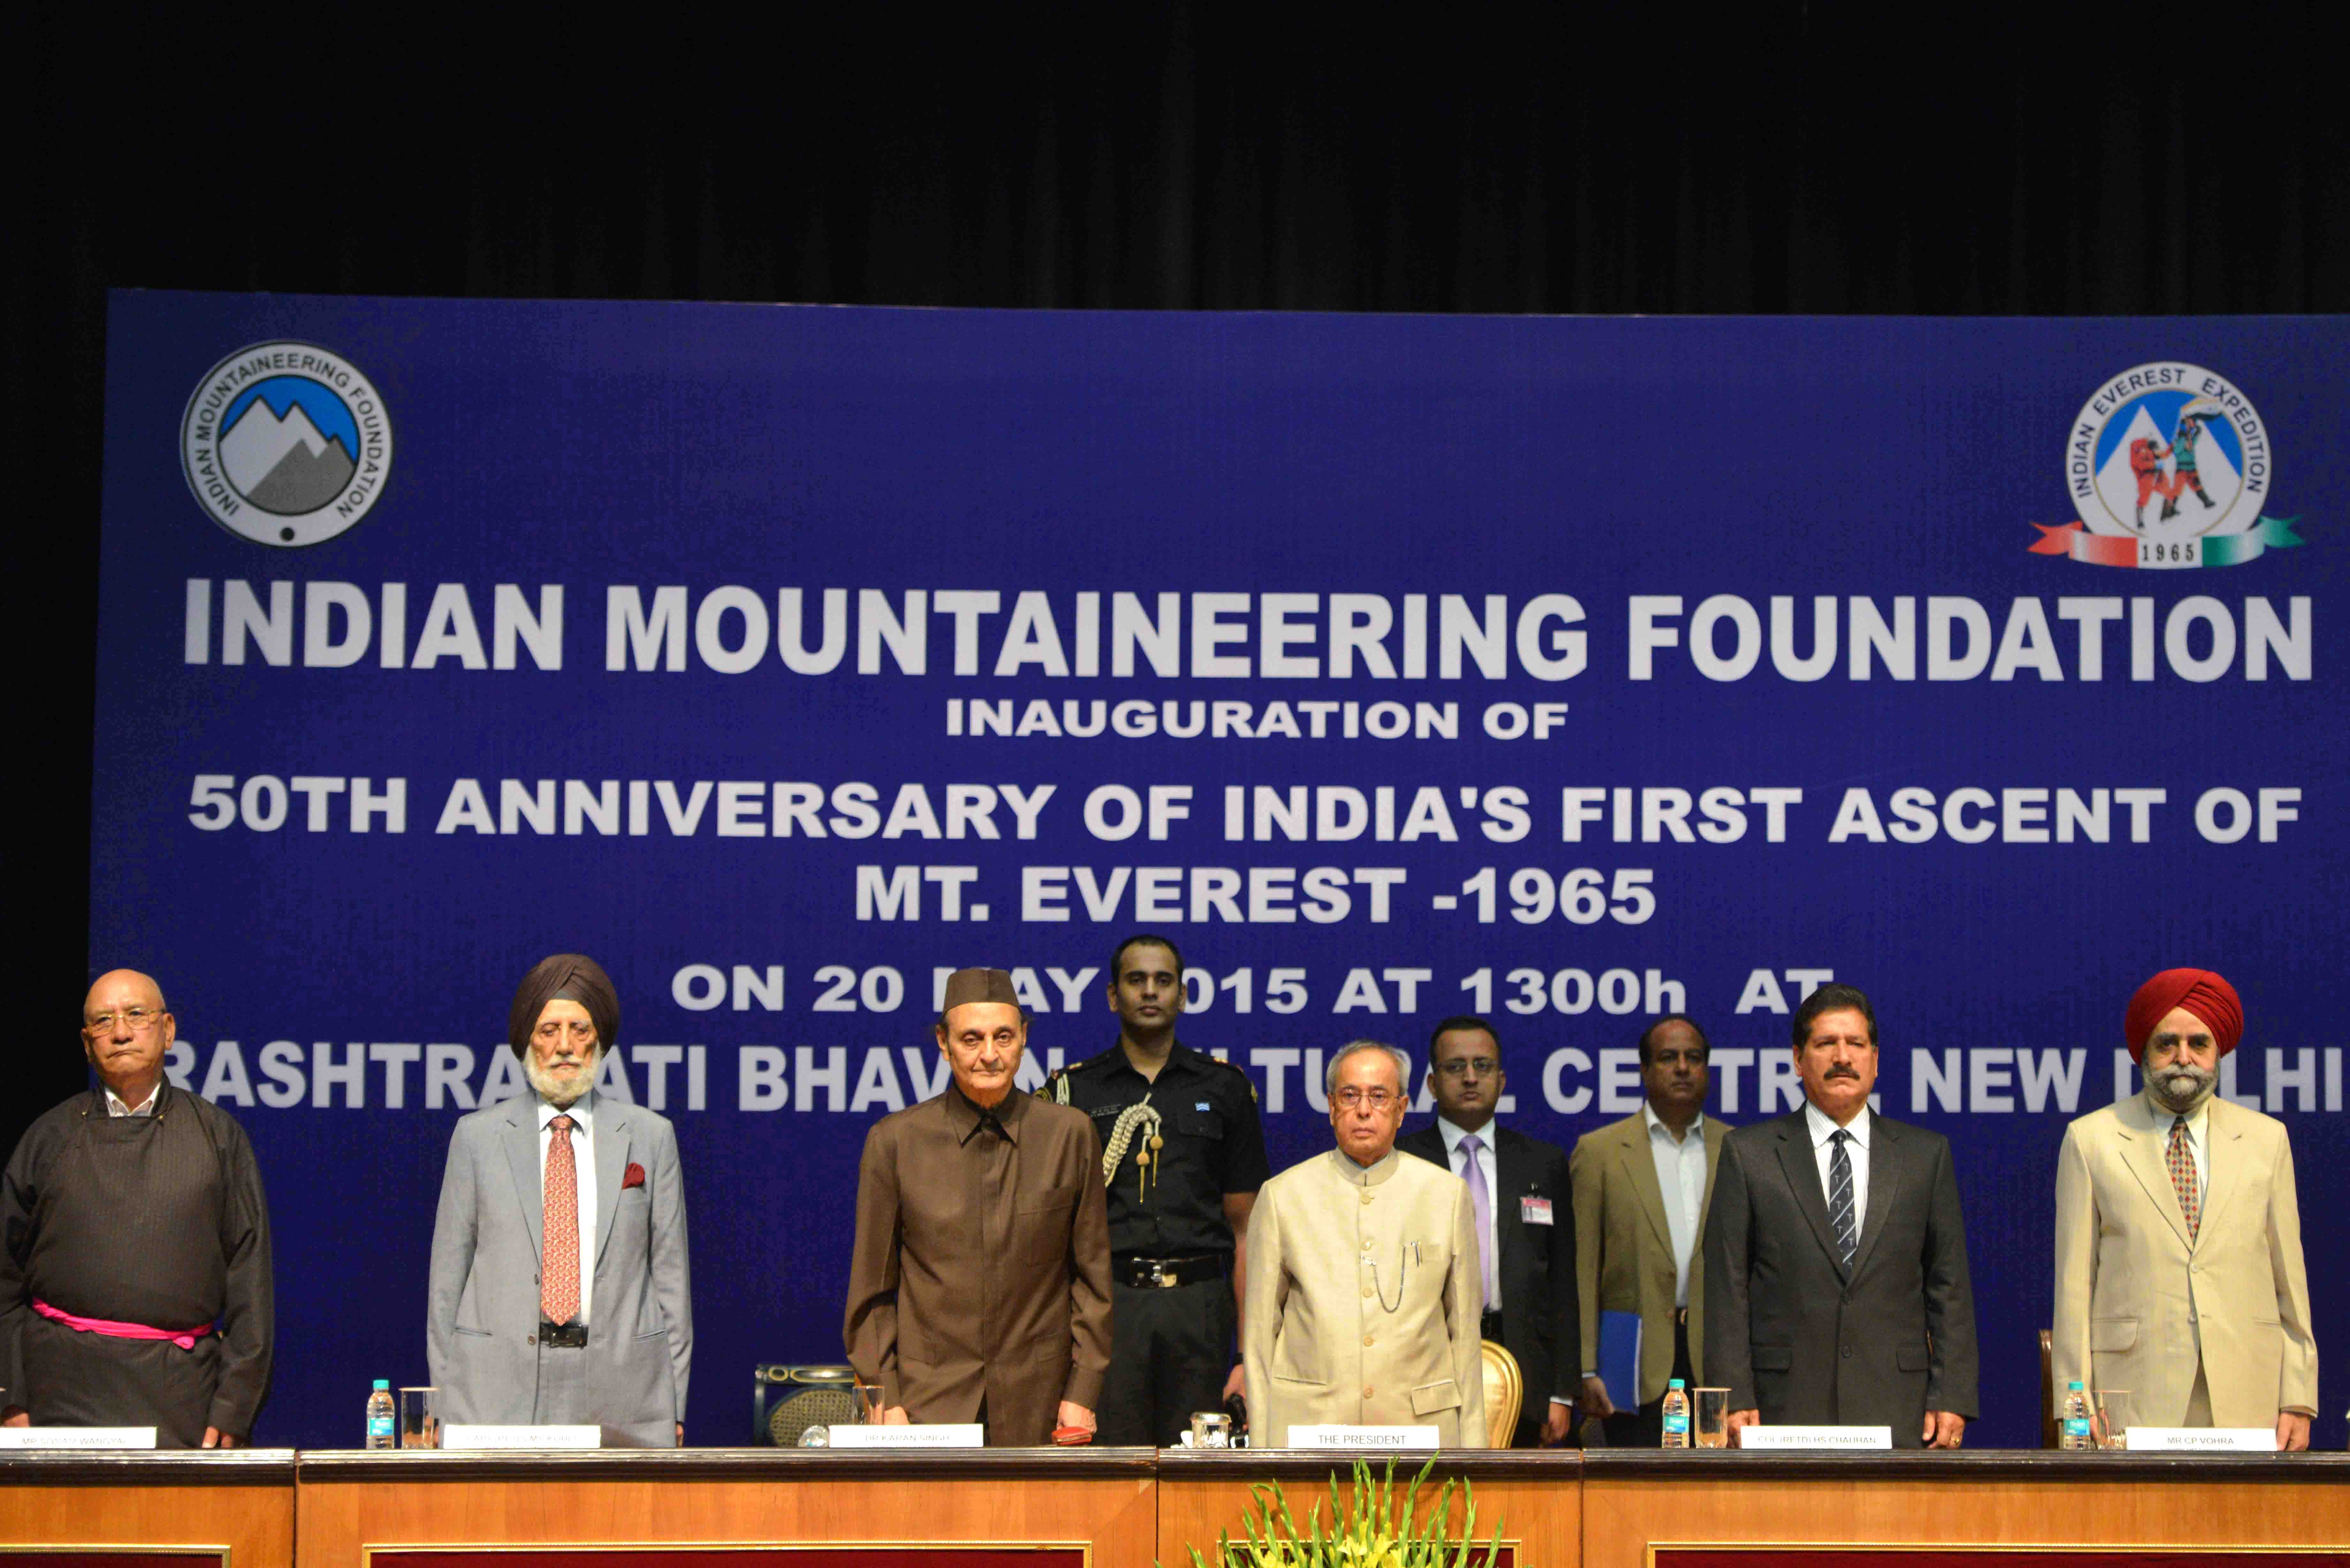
point(1779, 157)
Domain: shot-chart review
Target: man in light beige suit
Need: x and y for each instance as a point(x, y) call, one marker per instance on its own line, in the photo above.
point(1641, 1186)
point(2179, 1266)
point(1363, 1301)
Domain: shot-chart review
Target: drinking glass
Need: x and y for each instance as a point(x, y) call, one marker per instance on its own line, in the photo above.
point(419, 1418)
point(1212, 1429)
point(2109, 1421)
point(1710, 1414)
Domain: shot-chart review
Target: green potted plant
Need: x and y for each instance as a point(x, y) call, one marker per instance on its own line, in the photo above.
point(1375, 1527)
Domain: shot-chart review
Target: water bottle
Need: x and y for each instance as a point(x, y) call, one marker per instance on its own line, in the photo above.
point(382, 1420)
point(2073, 1423)
point(1677, 1416)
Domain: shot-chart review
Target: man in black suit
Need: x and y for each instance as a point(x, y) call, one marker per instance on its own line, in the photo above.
point(1525, 1222)
point(1835, 1260)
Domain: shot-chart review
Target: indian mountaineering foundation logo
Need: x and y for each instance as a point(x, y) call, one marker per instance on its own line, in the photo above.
point(2168, 465)
point(286, 444)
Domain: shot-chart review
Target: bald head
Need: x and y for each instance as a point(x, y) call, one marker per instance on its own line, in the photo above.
point(125, 1031)
point(114, 981)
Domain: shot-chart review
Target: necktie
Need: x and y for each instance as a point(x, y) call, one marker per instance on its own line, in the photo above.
point(1840, 1214)
point(1480, 1199)
point(2183, 1176)
point(558, 1295)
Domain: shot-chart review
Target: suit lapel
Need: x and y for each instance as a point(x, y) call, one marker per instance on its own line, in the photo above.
point(1885, 1162)
point(2144, 1152)
point(521, 1141)
point(1640, 1164)
point(1802, 1170)
point(611, 1159)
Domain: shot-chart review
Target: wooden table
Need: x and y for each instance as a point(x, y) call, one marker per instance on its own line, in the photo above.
point(59, 1508)
point(1097, 1506)
point(1633, 1502)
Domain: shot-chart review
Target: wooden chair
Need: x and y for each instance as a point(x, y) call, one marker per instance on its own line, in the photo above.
point(1505, 1394)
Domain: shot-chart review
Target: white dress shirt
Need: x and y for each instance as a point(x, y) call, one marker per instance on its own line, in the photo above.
point(1460, 1164)
point(2199, 1133)
point(1822, 1127)
point(582, 1111)
point(1680, 1176)
point(145, 1107)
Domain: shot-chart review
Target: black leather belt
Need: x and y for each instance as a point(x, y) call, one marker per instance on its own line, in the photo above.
point(563, 1336)
point(1166, 1273)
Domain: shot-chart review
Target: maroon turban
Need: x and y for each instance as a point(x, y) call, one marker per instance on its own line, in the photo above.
point(2200, 991)
point(565, 977)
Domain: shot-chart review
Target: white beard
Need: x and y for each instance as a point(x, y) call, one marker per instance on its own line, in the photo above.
point(558, 1092)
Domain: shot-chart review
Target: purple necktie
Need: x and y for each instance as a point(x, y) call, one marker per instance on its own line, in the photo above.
point(1482, 1201)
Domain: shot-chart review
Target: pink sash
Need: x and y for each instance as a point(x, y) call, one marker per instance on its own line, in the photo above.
point(185, 1340)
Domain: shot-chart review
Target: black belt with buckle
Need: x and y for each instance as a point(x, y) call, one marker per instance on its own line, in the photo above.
point(1166, 1273)
point(563, 1336)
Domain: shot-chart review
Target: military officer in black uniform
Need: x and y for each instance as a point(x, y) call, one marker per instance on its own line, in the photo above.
point(1183, 1155)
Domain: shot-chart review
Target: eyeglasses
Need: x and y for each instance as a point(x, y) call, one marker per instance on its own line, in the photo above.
point(138, 1019)
point(580, 1029)
point(1459, 1067)
point(1378, 1099)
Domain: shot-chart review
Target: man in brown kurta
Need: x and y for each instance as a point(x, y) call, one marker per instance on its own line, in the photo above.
point(135, 1286)
point(980, 1287)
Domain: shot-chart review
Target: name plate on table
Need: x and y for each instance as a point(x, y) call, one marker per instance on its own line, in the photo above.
point(76, 1437)
point(931, 1434)
point(1336, 1437)
point(464, 1436)
point(1815, 1437)
point(2200, 1439)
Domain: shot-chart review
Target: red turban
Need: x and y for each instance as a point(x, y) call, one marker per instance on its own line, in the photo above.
point(2200, 991)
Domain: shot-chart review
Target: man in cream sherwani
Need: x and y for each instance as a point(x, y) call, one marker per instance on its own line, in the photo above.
point(2179, 1265)
point(1363, 1303)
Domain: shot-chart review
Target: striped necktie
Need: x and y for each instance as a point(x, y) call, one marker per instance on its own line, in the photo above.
point(1840, 1214)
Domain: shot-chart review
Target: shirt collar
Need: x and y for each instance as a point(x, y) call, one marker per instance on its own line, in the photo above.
point(1453, 1135)
point(1823, 1125)
point(1695, 1129)
point(2165, 1117)
point(967, 1118)
point(582, 1112)
point(145, 1107)
point(1364, 1175)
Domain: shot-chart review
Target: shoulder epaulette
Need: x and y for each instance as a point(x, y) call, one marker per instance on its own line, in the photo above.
point(1236, 1067)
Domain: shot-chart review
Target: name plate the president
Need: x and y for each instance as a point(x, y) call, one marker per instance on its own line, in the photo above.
point(1338, 1437)
point(549, 1438)
point(2200, 1439)
point(1848, 1438)
point(931, 1434)
point(76, 1437)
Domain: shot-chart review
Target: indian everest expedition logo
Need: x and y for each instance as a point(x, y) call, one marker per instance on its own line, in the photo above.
point(286, 444)
point(2168, 465)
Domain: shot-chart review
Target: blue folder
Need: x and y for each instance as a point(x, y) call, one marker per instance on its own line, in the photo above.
point(1619, 1358)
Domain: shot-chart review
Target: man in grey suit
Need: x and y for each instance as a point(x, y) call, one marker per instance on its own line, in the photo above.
point(1836, 1262)
point(559, 1293)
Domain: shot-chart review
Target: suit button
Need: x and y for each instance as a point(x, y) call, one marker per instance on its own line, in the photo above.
point(1367, 1293)
point(1367, 1393)
point(1847, 1353)
point(530, 1339)
point(1366, 1198)
point(1367, 1339)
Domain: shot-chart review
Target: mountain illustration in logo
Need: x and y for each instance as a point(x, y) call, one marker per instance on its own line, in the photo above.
point(284, 465)
point(2126, 500)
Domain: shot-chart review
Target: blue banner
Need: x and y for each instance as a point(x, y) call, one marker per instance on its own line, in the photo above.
point(1570, 671)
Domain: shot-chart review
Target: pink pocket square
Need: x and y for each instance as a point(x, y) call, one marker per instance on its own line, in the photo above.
point(633, 1177)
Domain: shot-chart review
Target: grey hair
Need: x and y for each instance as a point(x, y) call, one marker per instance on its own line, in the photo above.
point(1402, 1063)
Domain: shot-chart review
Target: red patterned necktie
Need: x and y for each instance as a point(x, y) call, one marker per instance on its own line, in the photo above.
point(2183, 1176)
point(558, 1296)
